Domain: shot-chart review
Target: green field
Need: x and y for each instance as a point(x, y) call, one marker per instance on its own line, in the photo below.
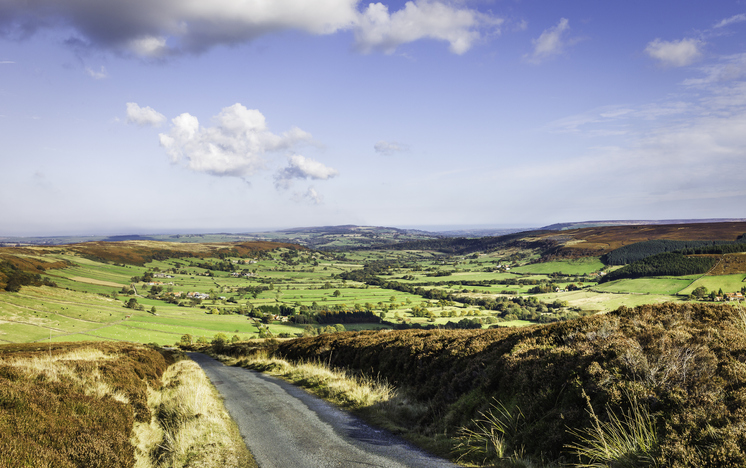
point(581, 266)
point(89, 302)
point(603, 302)
point(728, 283)
point(656, 285)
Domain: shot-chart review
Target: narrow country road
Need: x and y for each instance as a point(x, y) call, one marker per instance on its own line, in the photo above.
point(285, 427)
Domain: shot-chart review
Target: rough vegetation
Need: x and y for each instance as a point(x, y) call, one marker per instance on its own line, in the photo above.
point(74, 404)
point(567, 386)
point(110, 405)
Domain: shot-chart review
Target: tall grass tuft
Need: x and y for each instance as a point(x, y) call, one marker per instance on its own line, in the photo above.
point(490, 437)
point(627, 440)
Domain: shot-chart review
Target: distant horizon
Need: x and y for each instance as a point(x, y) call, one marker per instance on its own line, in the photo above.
point(426, 228)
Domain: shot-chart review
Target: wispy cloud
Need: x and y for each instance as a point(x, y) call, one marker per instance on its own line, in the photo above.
point(728, 68)
point(389, 147)
point(733, 19)
point(97, 75)
point(551, 42)
point(684, 150)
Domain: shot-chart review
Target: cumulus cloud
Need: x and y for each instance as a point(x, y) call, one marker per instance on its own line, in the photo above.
point(675, 53)
point(551, 42)
point(235, 146)
point(300, 167)
point(377, 29)
point(161, 28)
point(143, 116)
point(389, 147)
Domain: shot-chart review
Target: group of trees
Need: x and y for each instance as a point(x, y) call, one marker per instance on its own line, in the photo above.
point(700, 293)
point(15, 278)
point(664, 264)
point(640, 250)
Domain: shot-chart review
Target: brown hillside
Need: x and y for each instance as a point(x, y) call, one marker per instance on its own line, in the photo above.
point(32, 260)
point(682, 362)
point(597, 241)
point(133, 252)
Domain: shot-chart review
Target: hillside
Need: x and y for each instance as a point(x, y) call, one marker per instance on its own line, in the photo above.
point(596, 241)
point(37, 259)
point(671, 373)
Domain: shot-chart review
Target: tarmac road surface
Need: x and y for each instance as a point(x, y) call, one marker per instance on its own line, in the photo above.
point(285, 427)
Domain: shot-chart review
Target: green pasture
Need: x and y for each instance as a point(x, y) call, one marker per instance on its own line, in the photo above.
point(581, 266)
point(670, 285)
point(604, 302)
point(81, 309)
point(728, 283)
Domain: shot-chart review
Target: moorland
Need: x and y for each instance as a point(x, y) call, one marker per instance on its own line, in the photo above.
point(541, 339)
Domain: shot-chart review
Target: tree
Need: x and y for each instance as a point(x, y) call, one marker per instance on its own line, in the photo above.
point(336, 293)
point(219, 340)
point(699, 293)
point(186, 339)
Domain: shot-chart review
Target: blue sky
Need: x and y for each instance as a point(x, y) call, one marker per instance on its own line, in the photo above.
point(154, 116)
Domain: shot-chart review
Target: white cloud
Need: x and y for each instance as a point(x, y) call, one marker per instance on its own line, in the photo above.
point(97, 75)
point(733, 19)
point(301, 167)
point(160, 28)
point(5, 62)
point(731, 67)
point(389, 147)
point(675, 53)
point(235, 146)
point(551, 42)
point(377, 29)
point(143, 116)
point(673, 154)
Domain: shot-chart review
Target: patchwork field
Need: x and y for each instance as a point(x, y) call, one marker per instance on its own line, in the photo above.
point(200, 290)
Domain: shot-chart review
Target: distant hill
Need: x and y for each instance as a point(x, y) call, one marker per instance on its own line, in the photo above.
point(587, 224)
point(596, 241)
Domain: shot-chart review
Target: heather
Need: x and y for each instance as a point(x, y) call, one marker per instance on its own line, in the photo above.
point(674, 372)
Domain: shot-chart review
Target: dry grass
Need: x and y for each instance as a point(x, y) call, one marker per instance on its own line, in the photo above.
point(335, 385)
point(628, 440)
point(110, 405)
point(73, 404)
point(190, 426)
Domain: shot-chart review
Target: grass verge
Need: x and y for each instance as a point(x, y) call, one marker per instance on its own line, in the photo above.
point(190, 426)
point(372, 398)
point(110, 405)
